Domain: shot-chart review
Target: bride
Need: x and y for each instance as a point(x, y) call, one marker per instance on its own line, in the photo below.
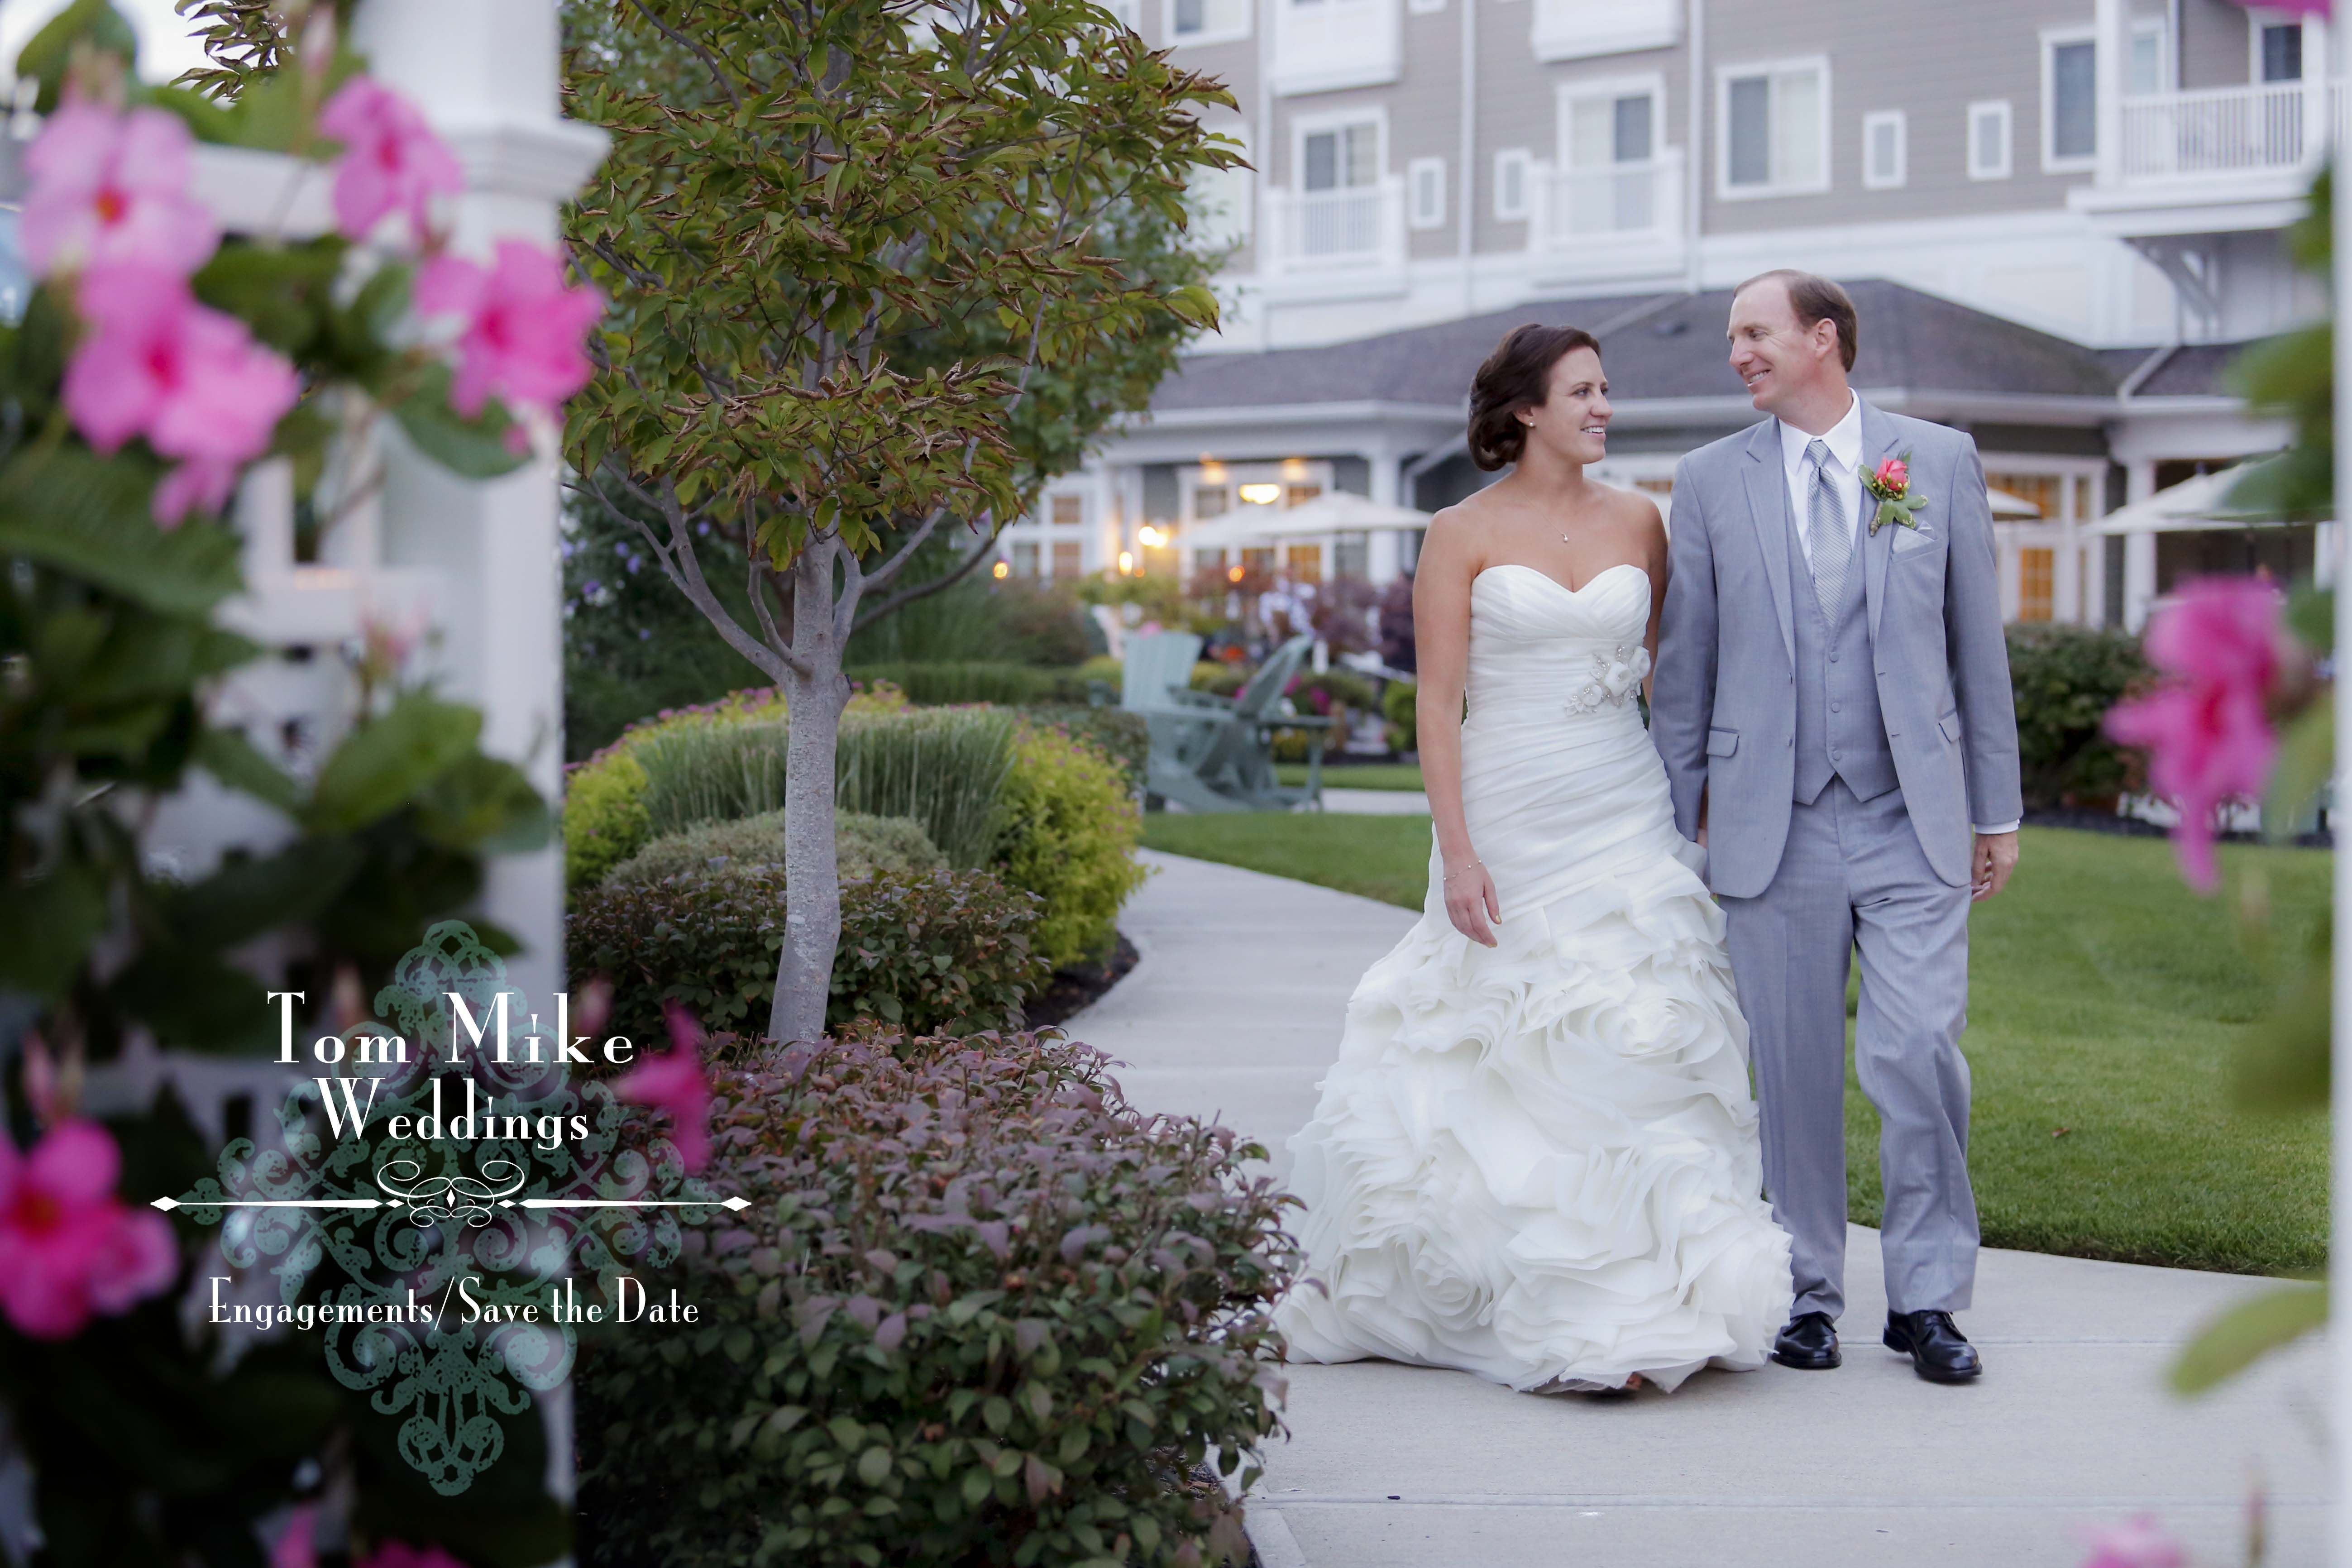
point(1536, 1158)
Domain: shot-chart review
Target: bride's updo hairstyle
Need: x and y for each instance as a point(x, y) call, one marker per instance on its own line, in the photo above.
point(1517, 376)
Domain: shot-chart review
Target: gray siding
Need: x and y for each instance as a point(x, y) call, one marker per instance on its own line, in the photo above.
point(2216, 45)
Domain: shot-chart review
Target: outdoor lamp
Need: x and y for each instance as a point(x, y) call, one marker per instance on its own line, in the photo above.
point(1001, 569)
point(1152, 538)
point(1127, 562)
point(1261, 495)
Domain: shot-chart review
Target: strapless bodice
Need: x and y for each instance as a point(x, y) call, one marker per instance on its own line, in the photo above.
point(1539, 651)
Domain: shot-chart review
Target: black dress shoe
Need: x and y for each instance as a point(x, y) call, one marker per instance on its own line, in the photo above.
point(1807, 1342)
point(1935, 1345)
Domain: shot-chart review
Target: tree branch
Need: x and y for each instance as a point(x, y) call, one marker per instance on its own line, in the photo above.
point(892, 602)
point(683, 42)
point(680, 565)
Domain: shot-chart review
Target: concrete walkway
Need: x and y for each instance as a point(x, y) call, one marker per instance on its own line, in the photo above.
point(1235, 1013)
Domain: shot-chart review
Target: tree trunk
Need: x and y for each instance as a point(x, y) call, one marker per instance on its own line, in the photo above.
point(812, 877)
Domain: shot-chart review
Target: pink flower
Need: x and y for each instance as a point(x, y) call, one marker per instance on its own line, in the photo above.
point(523, 325)
point(1894, 474)
point(188, 378)
point(69, 1247)
point(298, 1547)
point(675, 1083)
point(110, 187)
point(2206, 729)
point(2141, 1543)
point(400, 1554)
point(391, 161)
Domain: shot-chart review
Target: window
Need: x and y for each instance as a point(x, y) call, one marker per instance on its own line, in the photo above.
point(1351, 556)
point(1608, 147)
point(1514, 181)
point(2070, 94)
point(1069, 509)
point(2043, 491)
point(2278, 50)
point(1208, 21)
point(1300, 495)
point(1884, 155)
point(1774, 125)
point(1341, 211)
point(1989, 140)
point(1345, 157)
point(2037, 576)
point(1425, 178)
point(1025, 558)
point(1204, 560)
point(2149, 71)
point(1068, 558)
point(1128, 12)
point(1211, 500)
point(1304, 562)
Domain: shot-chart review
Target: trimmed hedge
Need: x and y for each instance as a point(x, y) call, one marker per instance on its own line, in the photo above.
point(1124, 737)
point(1404, 717)
point(2065, 679)
point(979, 680)
point(862, 845)
point(981, 1312)
point(944, 951)
point(1072, 822)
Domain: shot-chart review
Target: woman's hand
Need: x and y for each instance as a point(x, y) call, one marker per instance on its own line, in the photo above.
point(1470, 900)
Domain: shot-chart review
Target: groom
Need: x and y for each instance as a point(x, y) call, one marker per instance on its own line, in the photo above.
point(1833, 691)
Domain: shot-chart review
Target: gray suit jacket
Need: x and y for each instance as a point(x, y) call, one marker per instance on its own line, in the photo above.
point(1724, 702)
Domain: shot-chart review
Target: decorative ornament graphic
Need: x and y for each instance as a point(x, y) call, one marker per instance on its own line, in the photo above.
point(433, 1196)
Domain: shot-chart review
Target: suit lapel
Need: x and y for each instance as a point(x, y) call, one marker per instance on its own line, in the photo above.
point(1877, 548)
point(1767, 505)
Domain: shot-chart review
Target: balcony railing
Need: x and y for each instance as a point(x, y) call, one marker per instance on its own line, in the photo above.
point(1359, 226)
point(2220, 131)
point(1321, 45)
point(1616, 219)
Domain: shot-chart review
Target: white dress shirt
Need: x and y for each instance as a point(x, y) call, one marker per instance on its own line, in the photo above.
point(1843, 469)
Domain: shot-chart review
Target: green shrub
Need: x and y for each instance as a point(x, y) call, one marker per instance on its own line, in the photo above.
point(979, 681)
point(1071, 826)
point(944, 769)
point(1111, 672)
point(1125, 737)
point(713, 773)
point(2065, 679)
point(945, 950)
point(604, 819)
point(862, 846)
point(1220, 679)
point(979, 1312)
point(1404, 718)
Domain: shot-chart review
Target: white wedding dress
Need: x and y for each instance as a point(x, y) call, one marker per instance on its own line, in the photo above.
point(1539, 1162)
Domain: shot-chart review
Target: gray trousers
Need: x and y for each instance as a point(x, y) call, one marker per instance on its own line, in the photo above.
point(1854, 876)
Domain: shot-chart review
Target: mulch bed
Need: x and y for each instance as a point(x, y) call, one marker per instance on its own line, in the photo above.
point(1073, 990)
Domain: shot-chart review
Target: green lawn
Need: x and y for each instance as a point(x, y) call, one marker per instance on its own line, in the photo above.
point(2103, 1000)
point(1356, 775)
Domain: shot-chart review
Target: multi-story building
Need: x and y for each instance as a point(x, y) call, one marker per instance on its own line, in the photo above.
point(2058, 217)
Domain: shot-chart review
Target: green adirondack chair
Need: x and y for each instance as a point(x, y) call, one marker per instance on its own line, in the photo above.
point(1217, 753)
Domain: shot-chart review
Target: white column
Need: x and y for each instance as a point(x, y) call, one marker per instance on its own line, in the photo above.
point(2139, 549)
point(1383, 467)
point(485, 73)
point(2339, 1331)
point(2318, 71)
point(1382, 557)
point(2113, 21)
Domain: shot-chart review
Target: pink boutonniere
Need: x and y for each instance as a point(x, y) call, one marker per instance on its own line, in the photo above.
point(1890, 486)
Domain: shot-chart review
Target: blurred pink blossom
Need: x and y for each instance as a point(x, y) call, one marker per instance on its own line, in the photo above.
point(296, 1547)
point(391, 160)
point(2139, 1543)
point(2206, 728)
point(523, 325)
point(69, 1247)
point(675, 1083)
point(188, 378)
point(108, 187)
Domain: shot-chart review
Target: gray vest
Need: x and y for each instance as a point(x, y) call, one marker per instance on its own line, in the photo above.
point(1840, 728)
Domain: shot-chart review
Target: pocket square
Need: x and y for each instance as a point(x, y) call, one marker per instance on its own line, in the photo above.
point(1910, 540)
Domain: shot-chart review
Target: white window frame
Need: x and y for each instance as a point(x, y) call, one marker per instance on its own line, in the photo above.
point(1610, 87)
point(2259, 17)
point(1523, 209)
point(1996, 108)
point(1725, 191)
point(1870, 178)
point(2053, 39)
point(1610, 34)
point(1425, 8)
point(1207, 36)
point(1415, 217)
point(2158, 29)
point(1302, 126)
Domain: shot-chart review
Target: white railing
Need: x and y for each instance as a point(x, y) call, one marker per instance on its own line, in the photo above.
point(1353, 227)
point(1321, 45)
point(1611, 219)
point(2223, 130)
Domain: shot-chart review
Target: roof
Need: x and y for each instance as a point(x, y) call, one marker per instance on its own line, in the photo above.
point(2193, 370)
point(1663, 346)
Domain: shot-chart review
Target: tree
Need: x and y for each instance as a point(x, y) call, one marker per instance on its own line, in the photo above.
point(854, 246)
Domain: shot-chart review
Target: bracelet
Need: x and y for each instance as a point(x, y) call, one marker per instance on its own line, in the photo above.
point(1459, 869)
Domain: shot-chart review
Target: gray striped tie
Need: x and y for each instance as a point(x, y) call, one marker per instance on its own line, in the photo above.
point(1832, 540)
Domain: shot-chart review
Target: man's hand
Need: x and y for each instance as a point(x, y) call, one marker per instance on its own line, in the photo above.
point(1995, 858)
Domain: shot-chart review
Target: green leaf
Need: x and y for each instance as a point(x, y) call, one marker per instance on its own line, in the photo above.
point(48, 925)
point(282, 292)
point(2247, 1332)
point(874, 1467)
point(484, 804)
point(473, 448)
point(229, 757)
point(2306, 760)
point(387, 762)
point(88, 517)
point(2282, 1062)
point(46, 55)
